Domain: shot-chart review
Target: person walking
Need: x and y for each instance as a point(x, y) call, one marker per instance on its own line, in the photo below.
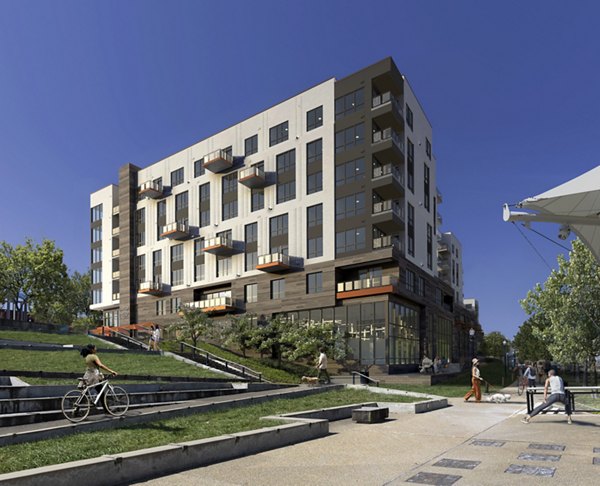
point(151, 340)
point(475, 382)
point(556, 386)
point(529, 374)
point(157, 334)
point(322, 366)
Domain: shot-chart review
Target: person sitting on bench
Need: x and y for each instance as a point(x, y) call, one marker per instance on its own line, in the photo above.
point(426, 364)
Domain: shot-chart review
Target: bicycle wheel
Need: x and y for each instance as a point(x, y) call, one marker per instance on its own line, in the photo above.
point(521, 387)
point(116, 401)
point(75, 405)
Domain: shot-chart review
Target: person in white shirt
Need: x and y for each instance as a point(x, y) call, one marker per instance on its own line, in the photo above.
point(556, 386)
point(322, 366)
point(529, 374)
point(156, 335)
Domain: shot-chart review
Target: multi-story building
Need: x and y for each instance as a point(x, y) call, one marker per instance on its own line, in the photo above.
point(322, 207)
point(449, 262)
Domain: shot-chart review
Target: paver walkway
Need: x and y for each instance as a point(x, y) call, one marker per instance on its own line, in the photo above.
point(465, 444)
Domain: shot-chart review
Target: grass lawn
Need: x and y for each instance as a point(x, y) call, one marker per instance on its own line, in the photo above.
point(123, 363)
point(49, 338)
point(199, 426)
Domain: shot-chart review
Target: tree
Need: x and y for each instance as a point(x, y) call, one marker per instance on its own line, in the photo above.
point(493, 344)
point(568, 302)
point(239, 333)
point(194, 324)
point(34, 276)
point(74, 302)
point(528, 345)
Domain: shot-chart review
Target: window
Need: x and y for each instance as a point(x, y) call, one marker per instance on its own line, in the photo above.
point(286, 176)
point(347, 104)
point(428, 148)
point(349, 138)
point(411, 229)
point(314, 230)
point(177, 265)
point(409, 280)
point(96, 234)
point(96, 255)
point(315, 247)
point(258, 200)
point(160, 308)
point(175, 304)
point(350, 240)
point(314, 152)
point(279, 225)
point(352, 171)
point(429, 247)
point(230, 183)
point(278, 289)
point(409, 117)
point(199, 167)
point(96, 296)
point(251, 241)
point(140, 269)
point(230, 210)
point(177, 253)
point(177, 177)
point(251, 145)
point(177, 277)
point(314, 283)
point(410, 166)
point(204, 205)
point(161, 217)
point(157, 266)
point(315, 215)
point(314, 118)
point(181, 201)
point(314, 182)
point(223, 266)
point(278, 134)
point(198, 259)
point(350, 206)
point(96, 276)
point(97, 213)
point(140, 227)
point(427, 197)
point(251, 293)
point(229, 193)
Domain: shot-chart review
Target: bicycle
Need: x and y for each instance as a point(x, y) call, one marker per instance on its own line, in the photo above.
point(522, 385)
point(76, 404)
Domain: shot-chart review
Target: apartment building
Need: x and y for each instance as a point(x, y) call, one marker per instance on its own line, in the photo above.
point(449, 262)
point(322, 207)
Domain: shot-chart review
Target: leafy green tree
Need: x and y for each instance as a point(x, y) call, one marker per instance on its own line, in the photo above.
point(194, 324)
point(304, 340)
point(239, 332)
point(568, 301)
point(528, 345)
point(34, 276)
point(493, 344)
point(74, 302)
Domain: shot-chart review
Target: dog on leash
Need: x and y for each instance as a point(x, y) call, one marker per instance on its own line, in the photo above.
point(310, 380)
point(498, 398)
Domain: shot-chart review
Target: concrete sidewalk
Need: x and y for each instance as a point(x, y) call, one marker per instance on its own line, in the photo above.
point(465, 444)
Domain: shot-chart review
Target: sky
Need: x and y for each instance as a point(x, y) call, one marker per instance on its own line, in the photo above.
point(511, 88)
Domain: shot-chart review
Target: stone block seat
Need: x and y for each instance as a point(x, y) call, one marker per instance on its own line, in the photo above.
point(370, 415)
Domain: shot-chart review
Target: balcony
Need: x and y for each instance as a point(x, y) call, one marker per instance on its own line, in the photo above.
point(365, 287)
point(442, 248)
point(252, 177)
point(152, 288)
point(218, 161)
point(115, 210)
point(388, 109)
point(175, 231)
point(115, 275)
point(389, 144)
point(116, 296)
point(115, 231)
point(388, 180)
point(388, 216)
point(151, 189)
point(220, 305)
point(219, 245)
point(116, 253)
point(388, 241)
point(274, 262)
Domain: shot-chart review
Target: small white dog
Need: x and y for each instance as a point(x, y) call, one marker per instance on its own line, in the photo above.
point(498, 398)
point(310, 380)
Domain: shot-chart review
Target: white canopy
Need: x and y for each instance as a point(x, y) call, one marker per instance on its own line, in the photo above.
point(574, 204)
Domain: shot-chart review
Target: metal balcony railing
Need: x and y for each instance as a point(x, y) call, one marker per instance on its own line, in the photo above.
point(389, 205)
point(387, 97)
point(367, 283)
point(251, 172)
point(210, 303)
point(274, 258)
point(218, 241)
point(384, 170)
point(389, 133)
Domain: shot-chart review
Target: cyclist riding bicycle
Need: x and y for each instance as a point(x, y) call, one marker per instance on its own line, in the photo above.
point(93, 364)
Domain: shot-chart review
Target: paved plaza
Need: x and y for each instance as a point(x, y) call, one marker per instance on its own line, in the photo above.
point(464, 444)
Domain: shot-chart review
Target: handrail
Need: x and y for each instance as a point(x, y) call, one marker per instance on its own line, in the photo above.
point(354, 373)
point(129, 339)
point(229, 366)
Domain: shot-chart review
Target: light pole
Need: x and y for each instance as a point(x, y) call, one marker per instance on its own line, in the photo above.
point(471, 343)
point(504, 352)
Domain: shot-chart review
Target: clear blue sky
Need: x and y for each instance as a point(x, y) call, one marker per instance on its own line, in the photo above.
point(511, 88)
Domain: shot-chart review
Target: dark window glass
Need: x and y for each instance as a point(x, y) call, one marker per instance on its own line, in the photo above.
point(350, 240)
point(410, 166)
point(251, 293)
point(429, 246)
point(347, 104)
point(251, 145)
point(230, 210)
point(286, 176)
point(314, 182)
point(349, 138)
point(278, 134)
point(230, 183)
point(428, 148)
point(314, 283)
point(352, 171)
point(314, 118)
point(177, 177)
point(314, 215)
point(409, 117)
point(411, 229)
point(258, 199)
point(204, 205)
point(199, 168)
point(314, 152)
point(350, 206)
point(278, 225)
point(278, 289)
point(181, 201)
point(427, 197)
point(315, 247)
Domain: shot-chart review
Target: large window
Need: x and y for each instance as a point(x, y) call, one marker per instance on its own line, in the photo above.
point(286, 176)
point(350, 206)
point(278, 289)
point(223, 266)
point(181, 201)
point(410, 166)
point(314, 166)
point(204, 205)
point(347, 104)
point(177, 177)
point(251, 293)
point(349, 138)
point(411, 229)
point(409, 117)
point(314, 231)
point(314, 118)
point(229, 196)
point(352, 171)
point(251, 244)
point(279, 225)
point(251, 145)
point(403, 341)
point(314, 283)
point(177, 265)
point(96, 234)
point(429, 246)
point(428, 148)
point(140, 227)
point(426, 195)
point(96, 255)
point(97, 213)
point(350, 240)
point(199, 167)
point(278, 134)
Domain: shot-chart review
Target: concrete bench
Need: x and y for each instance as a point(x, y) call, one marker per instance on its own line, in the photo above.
point(370, 415)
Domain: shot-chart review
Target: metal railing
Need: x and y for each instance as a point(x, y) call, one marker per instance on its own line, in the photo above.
point(383, 170)
point(386, 97)
point(222, 364)
point(274, 258)
point(218, 241)
point(218, 155)
point(175, 227)
point(124, 337)
point(367, 283)
point(251, 172)
point(363, 378)
point(389, 205)
point(150, 186)
point(386, 134)
point(386, 242)
point(151, 287)
point(208, 303)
